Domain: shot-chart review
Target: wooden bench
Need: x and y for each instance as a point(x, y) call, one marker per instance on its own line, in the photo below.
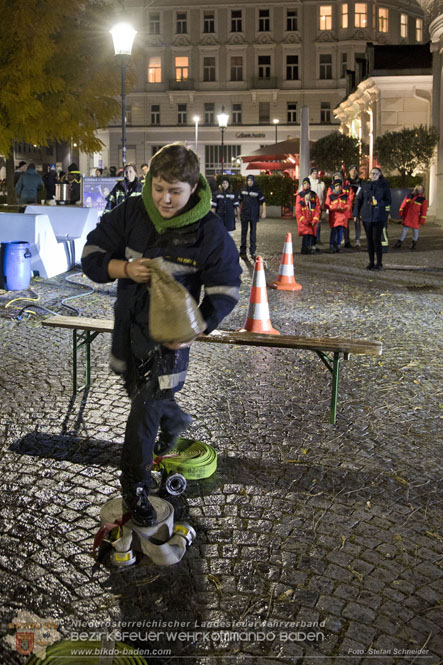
point(329, 349)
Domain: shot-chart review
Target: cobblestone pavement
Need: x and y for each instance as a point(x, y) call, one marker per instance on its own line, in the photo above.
point(315, 542)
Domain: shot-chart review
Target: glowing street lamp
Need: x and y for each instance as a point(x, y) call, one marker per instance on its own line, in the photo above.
point(222, 120)
point(123, 36)
point(196, 119)
point(276, 121)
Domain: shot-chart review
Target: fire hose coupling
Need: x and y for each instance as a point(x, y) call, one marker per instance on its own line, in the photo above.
point(175, 484)
point(186, 531)
point(123, 559)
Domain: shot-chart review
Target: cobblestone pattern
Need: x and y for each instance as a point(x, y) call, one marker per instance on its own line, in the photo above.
point(326, 539)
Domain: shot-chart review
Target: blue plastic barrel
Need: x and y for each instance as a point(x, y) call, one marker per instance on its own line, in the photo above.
point(16, 265)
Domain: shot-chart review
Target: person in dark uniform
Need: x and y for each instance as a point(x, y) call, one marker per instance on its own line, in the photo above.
point(74, 180)
point(225, 204)
point(372, 204)
point(253, 206)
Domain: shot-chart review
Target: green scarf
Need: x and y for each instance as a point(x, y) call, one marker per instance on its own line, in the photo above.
point(190, 216)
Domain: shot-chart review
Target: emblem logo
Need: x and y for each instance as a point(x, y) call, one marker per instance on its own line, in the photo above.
point(24, 643)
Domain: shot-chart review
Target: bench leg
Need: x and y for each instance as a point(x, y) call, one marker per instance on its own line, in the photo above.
point(79, 340)
point(333, 365)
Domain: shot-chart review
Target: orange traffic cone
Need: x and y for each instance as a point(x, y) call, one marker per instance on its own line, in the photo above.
point(285, 279)
point(257, 319)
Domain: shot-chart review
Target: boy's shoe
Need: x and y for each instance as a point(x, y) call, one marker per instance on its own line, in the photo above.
point(370, 266)
point(167, 439)
point(414, 244)
point(357, 243)
point(378, 266)
point(243, 256)
point(337, 248)
point(348, 245)
point(254, 257)
point(137, 503)
point(397, 245)
point(331, 250)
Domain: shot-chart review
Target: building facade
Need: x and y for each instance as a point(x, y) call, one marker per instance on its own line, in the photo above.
point(260, 62)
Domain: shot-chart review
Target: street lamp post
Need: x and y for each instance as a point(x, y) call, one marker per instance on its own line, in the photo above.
point(123, 37)
point(196, 119)
point(276, 121)
point(222, 120)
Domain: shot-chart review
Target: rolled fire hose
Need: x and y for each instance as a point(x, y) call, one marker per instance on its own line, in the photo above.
point(193, 459)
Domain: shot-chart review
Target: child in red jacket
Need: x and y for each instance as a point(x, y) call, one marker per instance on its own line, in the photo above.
point(307, 213)
point(339, 204)
point(413, 212)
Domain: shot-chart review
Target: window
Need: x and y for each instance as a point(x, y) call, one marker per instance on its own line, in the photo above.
point(154, 24)
point(419, 29)
point(208, 22)
point(291, 112)
point(325, 112)
point(236, 68)
point(213, 157)
point(325, 66)
point(182, 114)
point(155, 69)
point(403, 25)
point(361, 15)
point(292, 67)
point(236, 114)
point(343, 65)
point(345, 15)
point(209, 68)
point(209, 113)
point(181, 68)
point(264, 21)
point(236, 20)
point(264, 66)
point(181, 26)
point(264, 112)
point(291, 20)
point(383, 19)
point(325, 17)
point(155, 114)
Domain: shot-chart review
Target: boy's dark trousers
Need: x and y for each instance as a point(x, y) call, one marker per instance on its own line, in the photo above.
point(374, 232)
point(306, 244)
point(147, 414)
point(252, 236)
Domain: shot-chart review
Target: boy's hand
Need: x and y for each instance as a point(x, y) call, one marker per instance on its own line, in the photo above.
point(263, 215)
point(138, 271)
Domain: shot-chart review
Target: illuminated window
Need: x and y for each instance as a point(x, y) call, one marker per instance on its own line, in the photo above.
point(325, 17)
point(403, 25)
point(181, 68)
point(209, 68)
point(383, 19)
point(154, 24)
point(345, 15)
point(291, 20)
point(361, 15)
point(155, 69)
point(325, 66)
point(419, 29)
point(209, 22)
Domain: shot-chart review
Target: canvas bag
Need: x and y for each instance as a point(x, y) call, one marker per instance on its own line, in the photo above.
point(174, 316)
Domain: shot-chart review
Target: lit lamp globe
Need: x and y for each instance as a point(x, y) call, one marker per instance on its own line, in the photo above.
point(123, 35)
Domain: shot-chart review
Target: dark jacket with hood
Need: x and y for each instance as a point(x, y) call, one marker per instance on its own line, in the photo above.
point(373, 201)
point(199, 255)
point(122, 191)
point(28, 185)
point(251, 199)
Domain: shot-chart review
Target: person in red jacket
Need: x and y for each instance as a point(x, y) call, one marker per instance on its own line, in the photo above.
point(307, 214)
point(339, 204)
point(413, 212)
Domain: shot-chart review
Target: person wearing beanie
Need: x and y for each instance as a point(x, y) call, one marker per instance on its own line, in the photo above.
point(21, 168)
point(307, 214)
point(225, 204)
point(74, 180)
point(172, 220)
point(339, 204)
point(252, 207)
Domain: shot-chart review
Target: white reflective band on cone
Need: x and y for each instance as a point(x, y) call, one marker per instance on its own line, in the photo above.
point(261, 311)
point(286, 270)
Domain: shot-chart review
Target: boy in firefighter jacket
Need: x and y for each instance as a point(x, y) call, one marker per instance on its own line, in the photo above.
point(413, 211)
point(339, 204)
point(307, 214)
point(172, 220)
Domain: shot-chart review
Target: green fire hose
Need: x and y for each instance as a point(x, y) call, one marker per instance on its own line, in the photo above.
point(193, 459)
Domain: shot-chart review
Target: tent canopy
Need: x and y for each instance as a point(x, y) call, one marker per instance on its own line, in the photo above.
point(276, 151)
